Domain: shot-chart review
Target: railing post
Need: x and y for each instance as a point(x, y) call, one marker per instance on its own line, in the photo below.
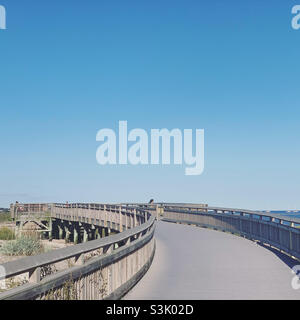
point(134, 221)
point(157, 212)
point(291, 236)
point(137, 236)
point(52, 209)
point(79, 259)
point(126, 218)
point(35, 275)
point(241, 221)
point(105, 216)
point(120, 216)
point(260, 227)
point(279, 233)
point(108, 249)
point(270, 227)
point(127, 241)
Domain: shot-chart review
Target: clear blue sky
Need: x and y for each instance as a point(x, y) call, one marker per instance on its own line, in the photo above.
point(69, 68)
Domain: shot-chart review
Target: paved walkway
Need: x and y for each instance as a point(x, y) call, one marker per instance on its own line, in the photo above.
point(197, 263)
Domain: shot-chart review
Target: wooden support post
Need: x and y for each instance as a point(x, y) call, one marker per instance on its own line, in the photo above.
point(93, 233)
point(60, 232)
point(103, 232)
point(50, 229)
point(85, 234)
point(97, 234)
point(67, 233)
point(76, 236)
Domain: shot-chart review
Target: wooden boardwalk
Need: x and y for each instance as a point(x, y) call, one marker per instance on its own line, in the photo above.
point(197, 263)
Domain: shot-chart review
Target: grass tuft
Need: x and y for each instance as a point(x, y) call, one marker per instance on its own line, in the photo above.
point(26, 245)
point(6, 234)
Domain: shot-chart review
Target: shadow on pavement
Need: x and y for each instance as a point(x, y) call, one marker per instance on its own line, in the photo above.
point(289, 261)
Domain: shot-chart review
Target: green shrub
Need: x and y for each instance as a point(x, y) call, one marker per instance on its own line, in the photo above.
point(6, 234)
point(23, 246)
point(4, 217)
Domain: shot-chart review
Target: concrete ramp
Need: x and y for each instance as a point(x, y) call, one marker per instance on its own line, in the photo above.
point(197, 263)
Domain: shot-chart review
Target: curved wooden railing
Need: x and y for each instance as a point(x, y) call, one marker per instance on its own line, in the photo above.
point(107, 268)
point(99, 269)
point(280, 232)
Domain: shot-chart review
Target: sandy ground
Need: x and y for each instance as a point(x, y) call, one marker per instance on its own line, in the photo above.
point(196, 263)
